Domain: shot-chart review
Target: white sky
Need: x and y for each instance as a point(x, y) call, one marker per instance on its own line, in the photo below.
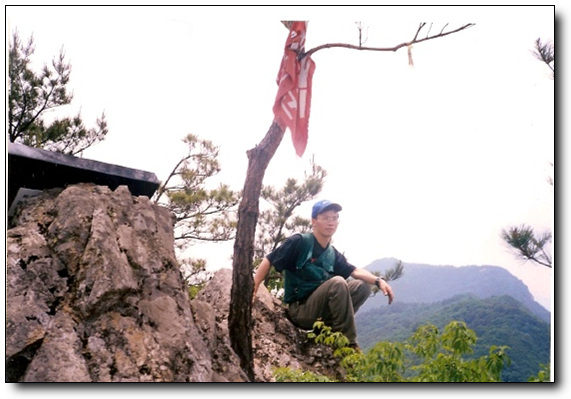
point(429, 163)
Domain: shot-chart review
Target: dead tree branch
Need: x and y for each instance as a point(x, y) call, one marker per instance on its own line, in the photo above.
point(415, 40)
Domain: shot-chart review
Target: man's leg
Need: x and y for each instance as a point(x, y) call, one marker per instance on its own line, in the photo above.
point(332, 302)
point(360, 292)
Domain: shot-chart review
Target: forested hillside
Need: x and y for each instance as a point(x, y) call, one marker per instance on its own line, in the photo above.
point(498, 320)
point(428, 284)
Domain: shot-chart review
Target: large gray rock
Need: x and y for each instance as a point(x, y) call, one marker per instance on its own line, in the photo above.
point(94, 293)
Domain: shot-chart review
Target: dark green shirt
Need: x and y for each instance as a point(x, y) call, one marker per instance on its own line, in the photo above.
point(285, 256)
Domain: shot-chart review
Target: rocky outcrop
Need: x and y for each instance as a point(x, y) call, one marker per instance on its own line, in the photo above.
point(276, 341)
point(94, 293)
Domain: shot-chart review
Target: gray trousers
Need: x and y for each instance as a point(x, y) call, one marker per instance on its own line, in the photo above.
point(335, 302)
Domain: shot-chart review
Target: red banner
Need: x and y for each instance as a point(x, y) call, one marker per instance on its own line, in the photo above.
point(293, 101)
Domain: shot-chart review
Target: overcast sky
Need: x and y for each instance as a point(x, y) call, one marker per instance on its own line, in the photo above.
point(430, 163)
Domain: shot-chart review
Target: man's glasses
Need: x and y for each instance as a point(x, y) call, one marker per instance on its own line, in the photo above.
point(328, 219)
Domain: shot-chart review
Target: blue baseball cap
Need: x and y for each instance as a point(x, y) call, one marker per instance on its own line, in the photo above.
point(324, 205)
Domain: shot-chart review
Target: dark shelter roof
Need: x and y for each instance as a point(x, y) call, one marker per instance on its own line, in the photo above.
point(38, 169)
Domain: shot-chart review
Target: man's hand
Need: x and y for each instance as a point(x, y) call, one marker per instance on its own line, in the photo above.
point(387, 290)
point(367, 276)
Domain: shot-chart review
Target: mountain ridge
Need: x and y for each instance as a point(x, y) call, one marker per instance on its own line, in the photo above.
point(423, 283)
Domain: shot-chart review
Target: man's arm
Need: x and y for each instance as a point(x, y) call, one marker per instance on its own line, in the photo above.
point(368, 277)
point(261, 274)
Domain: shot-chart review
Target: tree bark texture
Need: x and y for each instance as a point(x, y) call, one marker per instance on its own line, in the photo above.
point(240, 313)
point(240, 316)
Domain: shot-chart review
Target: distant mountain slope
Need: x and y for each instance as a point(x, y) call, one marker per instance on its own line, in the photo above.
point(498, 320)
point(428, 284)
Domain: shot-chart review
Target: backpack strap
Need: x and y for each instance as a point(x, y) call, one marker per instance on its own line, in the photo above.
point(306, 250)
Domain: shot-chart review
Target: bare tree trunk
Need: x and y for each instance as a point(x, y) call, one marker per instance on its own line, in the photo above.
point(240, 316)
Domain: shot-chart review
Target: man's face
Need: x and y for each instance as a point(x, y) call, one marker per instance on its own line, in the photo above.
point(326, 223)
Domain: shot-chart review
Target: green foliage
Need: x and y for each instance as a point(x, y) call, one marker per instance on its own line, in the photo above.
point(428, 356)
point(523, 240)
point(544, 374)
point(201, 214)
point(389, 275)
point(443, 356)
point(496, 321)
point(278, 222)
point(32, 95)
point(395, 272)
point(323, 334)
point(527, 245)
point(285, 374)
point(382, 363)
point(193, 290)
point(195, 275)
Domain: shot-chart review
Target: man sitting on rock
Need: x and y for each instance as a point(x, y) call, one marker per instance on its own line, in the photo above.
point(315, 276)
